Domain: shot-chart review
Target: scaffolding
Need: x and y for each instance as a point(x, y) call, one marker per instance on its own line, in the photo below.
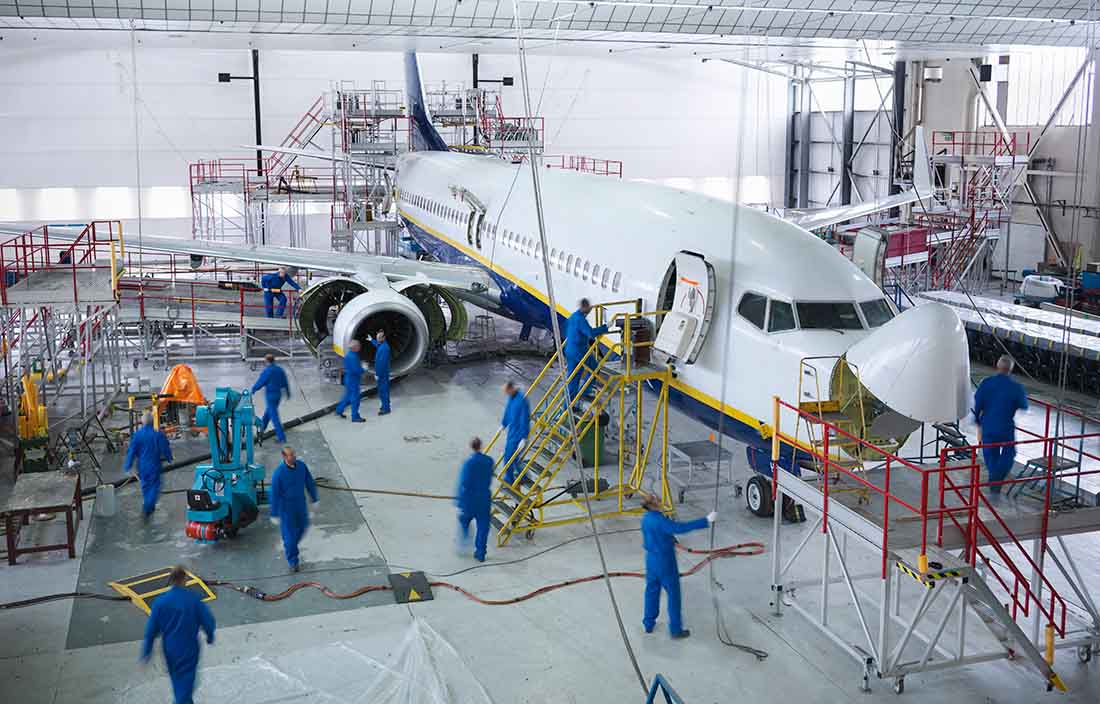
point(963, 572)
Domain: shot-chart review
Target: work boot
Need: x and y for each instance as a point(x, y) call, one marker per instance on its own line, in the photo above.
point(295, 568)
point(383, 413)
point(358, 420)
point(338, 413)
point(682, 634)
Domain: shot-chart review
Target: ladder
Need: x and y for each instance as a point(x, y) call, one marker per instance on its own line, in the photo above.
point(300, 137)
point(542, 495)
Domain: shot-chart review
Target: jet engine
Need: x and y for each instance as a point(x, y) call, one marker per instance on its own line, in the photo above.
point(346, 309)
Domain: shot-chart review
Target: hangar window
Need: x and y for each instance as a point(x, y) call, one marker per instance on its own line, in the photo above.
point(752, 308)
point(828, 316)
point(616, 281)
point(569, 264)
point(876, 312)
point(781, 316)
point(606, 276)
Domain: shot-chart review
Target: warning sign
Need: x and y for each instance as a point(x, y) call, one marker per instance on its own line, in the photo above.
point(410, 586)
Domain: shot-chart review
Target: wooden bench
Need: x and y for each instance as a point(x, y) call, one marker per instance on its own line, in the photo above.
point(43, 492)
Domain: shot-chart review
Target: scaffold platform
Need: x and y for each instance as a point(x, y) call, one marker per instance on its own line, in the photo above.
point(61, 286)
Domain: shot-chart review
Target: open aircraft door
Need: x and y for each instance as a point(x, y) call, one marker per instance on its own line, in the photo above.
point(687, 293)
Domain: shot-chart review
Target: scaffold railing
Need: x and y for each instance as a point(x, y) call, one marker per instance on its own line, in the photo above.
point(584, 164)
point(32, 252)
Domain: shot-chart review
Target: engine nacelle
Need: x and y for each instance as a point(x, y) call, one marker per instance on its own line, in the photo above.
point(383, 309)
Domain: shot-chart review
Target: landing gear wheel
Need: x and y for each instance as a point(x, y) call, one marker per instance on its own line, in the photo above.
point(758, 496)
point(1084, 653)
point(899, 685)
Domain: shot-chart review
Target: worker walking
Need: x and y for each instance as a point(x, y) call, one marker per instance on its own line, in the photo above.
point(579, 336)
point(148, 447)
point(472, 498)
point(289, 484)
point(353, 377)
point(176, 616)
point(995, 404)
point(274, 382)
point(517, 424)
point(382, 370)
point(661, 571)
point(272, 284)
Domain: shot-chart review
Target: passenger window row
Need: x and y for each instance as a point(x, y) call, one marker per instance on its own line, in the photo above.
point(583, 269)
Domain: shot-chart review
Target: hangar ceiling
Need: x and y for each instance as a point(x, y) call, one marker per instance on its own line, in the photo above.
point(968, 22)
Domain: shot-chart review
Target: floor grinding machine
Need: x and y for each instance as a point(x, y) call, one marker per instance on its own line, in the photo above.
point(226, 493)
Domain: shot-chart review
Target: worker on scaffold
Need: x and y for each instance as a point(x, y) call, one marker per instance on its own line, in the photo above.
point(272, 285)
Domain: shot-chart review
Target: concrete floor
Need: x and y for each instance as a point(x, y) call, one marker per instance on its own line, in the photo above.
point(561, 647)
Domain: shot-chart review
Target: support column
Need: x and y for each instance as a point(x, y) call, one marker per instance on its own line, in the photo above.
point(847, 136)
point(804, 139)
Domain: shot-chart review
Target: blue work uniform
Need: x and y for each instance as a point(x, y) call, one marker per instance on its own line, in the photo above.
point(382, 373)
point(176, 616)
point(661, 571)
point(517, 422)
point(272, 284)
point(148, 446)
point(274, 382)
point(353, 376)
point(288, 504)
point(995, 404)
point(579, 336)
point(472, 500)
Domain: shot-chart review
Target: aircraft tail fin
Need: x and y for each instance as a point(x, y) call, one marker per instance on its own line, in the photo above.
point(425, 138)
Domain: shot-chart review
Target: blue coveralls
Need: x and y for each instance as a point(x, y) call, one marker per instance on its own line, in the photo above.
point(472, 499)
point(579, 336)
point(288, 504)
point(272, 285)
point(661, 571)
point(148, 446)
point(382, 372)
point(176, 616)
point(353, 376)
point(274, 382)
point(995, 404)
point(517, 421)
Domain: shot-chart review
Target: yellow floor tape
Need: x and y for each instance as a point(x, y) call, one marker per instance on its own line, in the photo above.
point(143, 589)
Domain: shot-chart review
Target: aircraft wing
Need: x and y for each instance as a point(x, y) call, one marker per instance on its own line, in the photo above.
point(395, 270)
point(922, 190)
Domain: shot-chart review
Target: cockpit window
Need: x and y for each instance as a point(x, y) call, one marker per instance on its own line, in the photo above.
point(828, 316)
point(780, 317)
point(752, 307)
point(876, 312)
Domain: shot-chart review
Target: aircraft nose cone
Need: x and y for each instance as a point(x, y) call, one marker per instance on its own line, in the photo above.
point(918, 364)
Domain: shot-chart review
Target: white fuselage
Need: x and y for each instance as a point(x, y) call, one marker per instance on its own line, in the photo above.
point(632, 231)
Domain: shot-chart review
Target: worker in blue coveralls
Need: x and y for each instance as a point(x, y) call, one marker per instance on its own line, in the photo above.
point(272, 284)
point(661, 571)
point(353, 377)
point(382, 370)
point(289, 484)
point(579, 336)
point(472, 498)
point(149, 447)
point(274, 383)
point(176, 616)
point(517, 423)
point(995, 404)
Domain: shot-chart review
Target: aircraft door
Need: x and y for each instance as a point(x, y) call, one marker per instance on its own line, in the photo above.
point(687, 293)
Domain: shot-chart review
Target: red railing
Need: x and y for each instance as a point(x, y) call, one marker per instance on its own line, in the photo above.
point(965, 505)
point(586, 164)
point(297, 138)
point(979, 143)
point(193, 298)
point(33, 251)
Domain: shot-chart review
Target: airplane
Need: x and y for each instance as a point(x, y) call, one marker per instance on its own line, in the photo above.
point(793, 314)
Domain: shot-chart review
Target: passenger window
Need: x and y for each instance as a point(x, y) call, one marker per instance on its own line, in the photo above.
point(587, 270)
point(553, 254)
point(752, 308)
point(538, 250)
point(617, 280)
point(561, 259)
point(569, 264)
point(780, 316)
point(606, 276)
point(595, 273)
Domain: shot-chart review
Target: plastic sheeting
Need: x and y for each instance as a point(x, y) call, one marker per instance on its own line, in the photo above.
point(420, 668)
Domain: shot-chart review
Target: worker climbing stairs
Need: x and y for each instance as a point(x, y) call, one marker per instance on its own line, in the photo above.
point(547, 491)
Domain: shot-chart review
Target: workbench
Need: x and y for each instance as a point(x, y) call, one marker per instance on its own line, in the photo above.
point(43, 492)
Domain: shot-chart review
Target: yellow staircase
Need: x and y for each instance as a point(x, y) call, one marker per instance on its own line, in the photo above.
point(542, 495)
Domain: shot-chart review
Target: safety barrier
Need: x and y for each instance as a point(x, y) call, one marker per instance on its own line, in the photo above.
point(32, 251)
point(584, 164)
